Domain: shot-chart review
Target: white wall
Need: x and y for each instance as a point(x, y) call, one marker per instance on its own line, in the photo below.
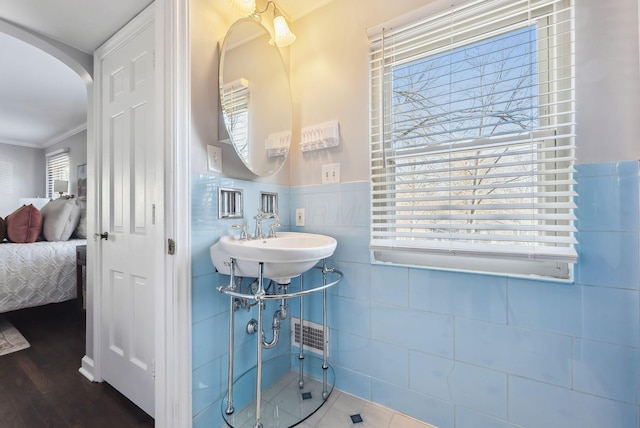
point(329, 75)
point(22, 175)
point(607, 80)
point(329, 80)
point(23, 170)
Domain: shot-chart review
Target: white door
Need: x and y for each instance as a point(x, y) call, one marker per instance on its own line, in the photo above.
point(131, 183)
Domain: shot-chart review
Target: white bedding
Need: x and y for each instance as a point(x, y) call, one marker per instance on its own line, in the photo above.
point(37, 274)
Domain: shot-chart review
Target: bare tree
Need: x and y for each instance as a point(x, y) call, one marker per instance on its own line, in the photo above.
point(450, 107)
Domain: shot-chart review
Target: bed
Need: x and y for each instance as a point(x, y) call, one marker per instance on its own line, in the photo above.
point(37, 273)
point(38, 254)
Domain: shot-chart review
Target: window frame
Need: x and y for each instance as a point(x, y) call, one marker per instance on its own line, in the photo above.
point(504, 263)
point(57, 168)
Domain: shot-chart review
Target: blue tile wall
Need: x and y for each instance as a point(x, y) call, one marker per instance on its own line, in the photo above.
point(607, 221)
point(539, 405)
point(210, 309)
point(479, 388)
point(458, 349)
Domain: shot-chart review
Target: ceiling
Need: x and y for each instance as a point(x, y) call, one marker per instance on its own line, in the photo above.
point(42, 101)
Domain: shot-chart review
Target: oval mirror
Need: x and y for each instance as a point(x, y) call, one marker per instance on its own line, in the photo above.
point(255, 97)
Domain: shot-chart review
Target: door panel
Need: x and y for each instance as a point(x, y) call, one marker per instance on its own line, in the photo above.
point(131, 180)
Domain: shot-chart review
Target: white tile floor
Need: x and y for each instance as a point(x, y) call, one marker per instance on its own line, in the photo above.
point(337, 411)
point(282, 399)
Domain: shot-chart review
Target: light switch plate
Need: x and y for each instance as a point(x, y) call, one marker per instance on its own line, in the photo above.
point(331, 173)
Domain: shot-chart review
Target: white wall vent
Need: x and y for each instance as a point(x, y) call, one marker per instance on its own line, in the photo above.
point(313, 336)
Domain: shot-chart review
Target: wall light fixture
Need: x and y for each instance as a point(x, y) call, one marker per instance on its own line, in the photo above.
point(282, 33)
point(244, 7)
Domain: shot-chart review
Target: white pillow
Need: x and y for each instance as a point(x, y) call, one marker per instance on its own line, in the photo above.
point(59, 219)
point(81, 230)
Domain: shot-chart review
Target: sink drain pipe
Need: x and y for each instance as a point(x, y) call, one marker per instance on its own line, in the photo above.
point(278, 316)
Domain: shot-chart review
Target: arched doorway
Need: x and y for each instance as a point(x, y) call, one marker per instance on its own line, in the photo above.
point(81, 64)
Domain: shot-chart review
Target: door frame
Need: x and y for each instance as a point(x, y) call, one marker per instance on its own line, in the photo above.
point(173, 299)
point(173, 53)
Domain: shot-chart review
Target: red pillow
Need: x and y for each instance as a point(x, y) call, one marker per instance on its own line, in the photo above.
point(3, 229)
point(24, 224)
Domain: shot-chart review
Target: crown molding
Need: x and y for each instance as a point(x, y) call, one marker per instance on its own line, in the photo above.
point(48, 143)
point(64, 135)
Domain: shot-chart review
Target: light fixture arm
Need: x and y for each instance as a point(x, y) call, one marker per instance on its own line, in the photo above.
point(276, 12)
point(282, 33)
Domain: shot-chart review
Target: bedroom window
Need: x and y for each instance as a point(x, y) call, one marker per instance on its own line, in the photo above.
point(472, 140)
point(57, 169)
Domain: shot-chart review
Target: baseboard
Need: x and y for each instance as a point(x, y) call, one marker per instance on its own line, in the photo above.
point(87, 368)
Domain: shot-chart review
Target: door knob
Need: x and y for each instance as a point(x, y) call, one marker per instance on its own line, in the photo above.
point(104, 235)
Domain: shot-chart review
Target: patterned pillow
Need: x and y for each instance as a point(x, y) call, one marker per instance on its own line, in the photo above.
point(3, 229)
point(24, 224)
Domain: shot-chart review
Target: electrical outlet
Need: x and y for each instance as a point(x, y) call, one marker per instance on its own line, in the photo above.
point(331, 173)
point(214, 159)
point(299, 216)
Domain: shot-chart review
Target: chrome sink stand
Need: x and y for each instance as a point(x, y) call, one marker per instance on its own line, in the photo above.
point(260, 296)
point(301, 329)
point(260, 293)
point(325, 363)
point(232, 310)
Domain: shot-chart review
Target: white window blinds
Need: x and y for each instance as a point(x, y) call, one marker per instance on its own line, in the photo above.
point(235, 110)
point(472, 139)
point(57, 169)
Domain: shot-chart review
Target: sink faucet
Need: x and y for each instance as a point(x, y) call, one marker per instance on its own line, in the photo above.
point(259, 217)
point(243, 233)
point(274, 225)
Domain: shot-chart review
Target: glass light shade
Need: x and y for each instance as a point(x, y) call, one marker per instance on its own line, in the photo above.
point(283, 35)
point(60, 186)
point(244, 7)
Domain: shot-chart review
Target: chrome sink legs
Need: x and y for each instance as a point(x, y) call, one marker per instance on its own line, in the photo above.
point(232, 287)
point(258, 294)
point(301, 354)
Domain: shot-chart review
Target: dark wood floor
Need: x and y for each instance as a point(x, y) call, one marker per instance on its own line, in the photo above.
point(41, 386)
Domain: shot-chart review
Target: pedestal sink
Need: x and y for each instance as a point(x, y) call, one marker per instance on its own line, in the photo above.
point(284, 257)
point(280, 258)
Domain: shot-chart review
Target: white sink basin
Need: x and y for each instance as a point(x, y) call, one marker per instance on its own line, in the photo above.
point(283, 258)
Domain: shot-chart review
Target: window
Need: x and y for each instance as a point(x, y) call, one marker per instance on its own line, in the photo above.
point(57, 169)
point(235, 110)
point(472, 140)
